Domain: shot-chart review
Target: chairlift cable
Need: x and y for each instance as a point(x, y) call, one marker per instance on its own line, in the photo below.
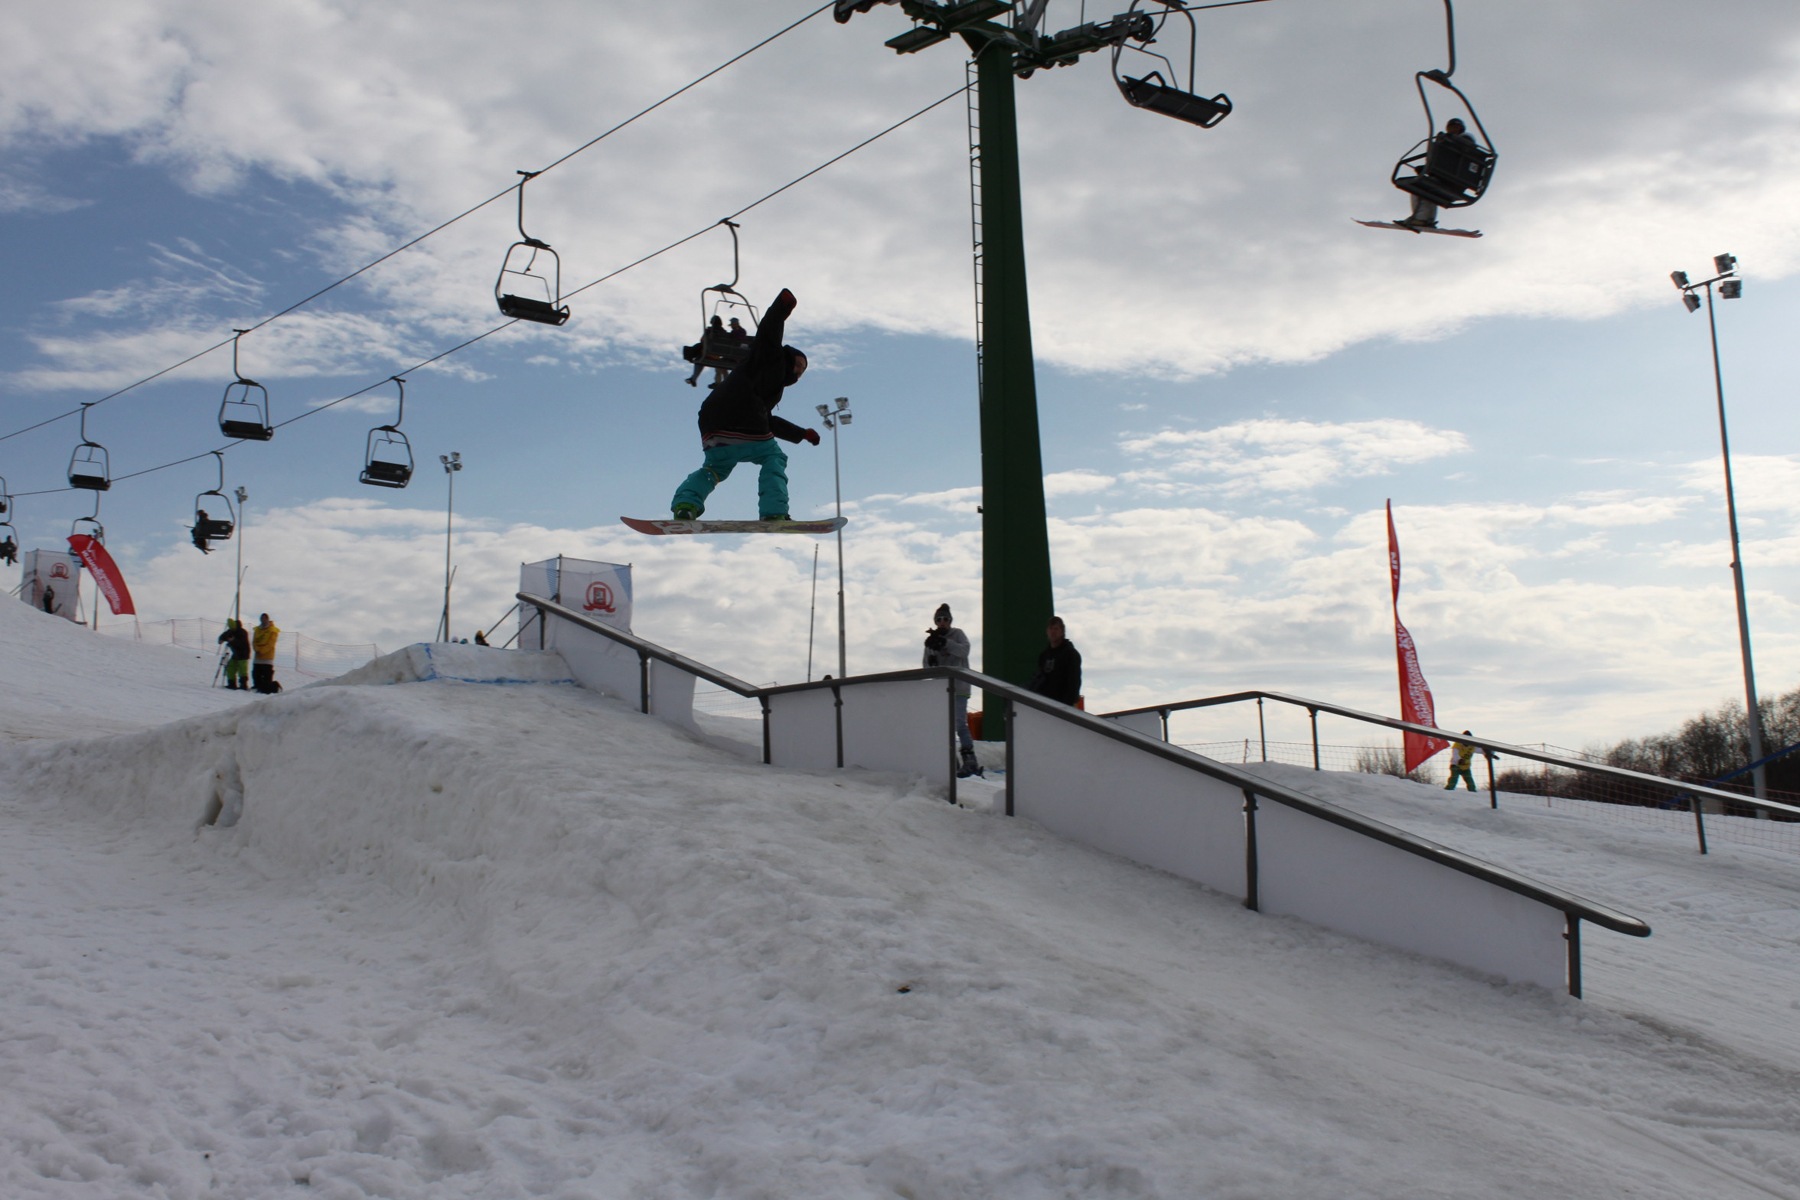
point(436, 229)
point(464, 345)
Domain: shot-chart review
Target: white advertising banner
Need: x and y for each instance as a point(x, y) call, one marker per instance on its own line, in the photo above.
point(600, 590)
point(51, 582)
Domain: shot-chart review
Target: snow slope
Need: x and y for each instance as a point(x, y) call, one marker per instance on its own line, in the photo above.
point(452, 939)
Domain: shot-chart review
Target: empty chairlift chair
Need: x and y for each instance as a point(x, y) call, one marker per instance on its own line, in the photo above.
point(1159, 89)
point(529, 287)
point(244, 412)
point(388, 460)
point(90, 467)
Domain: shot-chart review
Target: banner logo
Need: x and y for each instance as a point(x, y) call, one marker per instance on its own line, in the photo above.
point(599, 598)
point(59, 570)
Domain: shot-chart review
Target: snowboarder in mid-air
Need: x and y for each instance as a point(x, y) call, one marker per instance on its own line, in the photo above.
point(738, 422)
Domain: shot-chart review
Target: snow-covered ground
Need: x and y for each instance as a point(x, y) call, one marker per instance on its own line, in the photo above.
point(452, 939)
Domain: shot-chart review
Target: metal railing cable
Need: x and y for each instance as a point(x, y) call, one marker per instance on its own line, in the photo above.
point(466, 343)
point(1675, 789)
point(434, 230)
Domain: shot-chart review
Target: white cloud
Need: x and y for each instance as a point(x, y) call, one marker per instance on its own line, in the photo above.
point(1229, 246)
point(1287, 456)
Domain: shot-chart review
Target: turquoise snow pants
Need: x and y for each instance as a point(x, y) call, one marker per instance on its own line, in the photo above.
point(771, 484)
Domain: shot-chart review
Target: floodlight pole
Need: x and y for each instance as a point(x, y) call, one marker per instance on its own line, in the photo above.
point(243, 520)
point(1731, 288)
point(833, 417)
point(452, 464)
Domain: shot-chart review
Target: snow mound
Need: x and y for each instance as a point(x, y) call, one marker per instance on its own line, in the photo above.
point(425, 661)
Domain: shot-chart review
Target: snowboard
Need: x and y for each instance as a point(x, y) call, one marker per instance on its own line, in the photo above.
point(1420, 228)
point(828, 525)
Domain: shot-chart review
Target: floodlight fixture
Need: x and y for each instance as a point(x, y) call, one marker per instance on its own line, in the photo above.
point(1680, 278)
point(1724, 264)
point(451, 461)
point(1731, 289)
point(1692, 301)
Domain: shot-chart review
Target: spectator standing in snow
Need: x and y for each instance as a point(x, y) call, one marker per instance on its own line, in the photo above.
point(1059, 667)
point(1462, 754)
point(262, 670)
point(948, 646)
point(237, 668)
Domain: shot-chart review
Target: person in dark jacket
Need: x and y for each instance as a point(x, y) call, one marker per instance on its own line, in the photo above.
point(237, 668)
point(1059, 667)
point(738, 422)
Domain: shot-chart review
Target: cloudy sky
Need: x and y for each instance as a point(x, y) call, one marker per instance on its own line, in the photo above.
point(1233, 377)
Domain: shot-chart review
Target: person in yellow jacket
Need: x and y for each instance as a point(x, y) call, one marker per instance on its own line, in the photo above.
point(262, 649)
point(1461, 756)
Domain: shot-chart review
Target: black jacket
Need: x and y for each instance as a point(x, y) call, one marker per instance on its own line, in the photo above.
point(740, 407)
point(1059, 673)
point(238, 639)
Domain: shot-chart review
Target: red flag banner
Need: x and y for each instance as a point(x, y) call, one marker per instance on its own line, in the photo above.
point(105, 571)
point(1415, 694)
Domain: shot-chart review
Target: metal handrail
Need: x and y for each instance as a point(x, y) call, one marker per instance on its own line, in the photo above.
point(645, 650)
point(1486, 744)
point(1553, 897)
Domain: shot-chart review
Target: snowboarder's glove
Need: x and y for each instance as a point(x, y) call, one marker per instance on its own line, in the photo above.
point(784, 304)
point(811, 435)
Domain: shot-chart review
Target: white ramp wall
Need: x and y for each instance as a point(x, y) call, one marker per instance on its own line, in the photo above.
point(888, 726)
point(605, 666)
point(1115, 797)
point(1323, 873)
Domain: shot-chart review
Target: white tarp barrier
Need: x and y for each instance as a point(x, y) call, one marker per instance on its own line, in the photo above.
point(1335, 877)
point(603, 665)
point(51, 582)
point(1114, 797)
point(600, 590)
point(889, 726)
point(1147, 723)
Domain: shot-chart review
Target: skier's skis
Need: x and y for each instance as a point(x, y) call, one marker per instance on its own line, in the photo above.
point(828, 525)
point(1468, 233)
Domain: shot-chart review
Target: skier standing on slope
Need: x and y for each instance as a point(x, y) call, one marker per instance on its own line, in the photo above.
point(738, 422)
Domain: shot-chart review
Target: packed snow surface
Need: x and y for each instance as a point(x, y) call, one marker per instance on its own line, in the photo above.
point(510, 938)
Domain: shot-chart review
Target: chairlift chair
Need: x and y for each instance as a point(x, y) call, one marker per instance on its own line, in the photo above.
point(1159, 89)
point(5, 497)
point(9, 544)
point(388, 460)
point(244, 412)
point(208, 525)
point(97, 532)
point(717, 350)
point(1450, 172)
point(529, 287)
point(90, 467)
